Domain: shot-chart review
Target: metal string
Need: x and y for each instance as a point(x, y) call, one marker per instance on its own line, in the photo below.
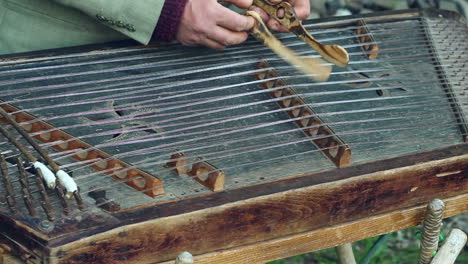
point(121, 68)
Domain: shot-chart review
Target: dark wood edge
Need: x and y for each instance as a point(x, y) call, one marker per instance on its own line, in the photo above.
point(233, 195)
point(274, 216)
point(328, 237)
point(210, 200)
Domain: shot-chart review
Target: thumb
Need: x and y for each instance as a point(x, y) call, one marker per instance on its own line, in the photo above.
point(239, 3)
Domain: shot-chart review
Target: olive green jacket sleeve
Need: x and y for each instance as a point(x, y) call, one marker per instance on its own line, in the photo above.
point(136, 19)
point(27, 25)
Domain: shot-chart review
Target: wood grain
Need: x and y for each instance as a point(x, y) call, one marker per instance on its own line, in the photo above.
point(328, 237)
point(117, 169)
point(276, 215)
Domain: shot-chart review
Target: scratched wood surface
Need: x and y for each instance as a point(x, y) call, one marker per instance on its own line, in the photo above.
point(328, 237)
point(275, 215)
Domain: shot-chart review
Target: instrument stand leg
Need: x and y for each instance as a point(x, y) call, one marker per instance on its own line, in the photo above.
point(345, 254)
point(184, 258)
point(451, 248)
point(431, 230)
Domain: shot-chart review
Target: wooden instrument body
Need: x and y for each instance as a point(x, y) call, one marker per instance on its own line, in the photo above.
point(263, 202)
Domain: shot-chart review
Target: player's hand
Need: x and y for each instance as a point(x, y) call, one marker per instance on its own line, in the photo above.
point(302, 8)
point(208, 23)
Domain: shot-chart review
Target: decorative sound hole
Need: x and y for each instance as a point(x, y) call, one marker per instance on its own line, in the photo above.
point(128, 128)
point(136, 127)
point(365, 76)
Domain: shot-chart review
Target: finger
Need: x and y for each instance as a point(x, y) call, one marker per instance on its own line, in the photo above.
point(239, 3)
point(260, 11)
point(227, 38)
point(212, 44)
point(233, 21)
point(276, 26)
point(302, 8)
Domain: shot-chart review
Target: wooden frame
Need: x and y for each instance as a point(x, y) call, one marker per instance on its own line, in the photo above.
point(261, 222)
point(397, 190)
point(328, 237)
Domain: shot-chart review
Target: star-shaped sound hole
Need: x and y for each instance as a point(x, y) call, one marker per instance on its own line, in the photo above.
point(128, 129)
point(370, 79)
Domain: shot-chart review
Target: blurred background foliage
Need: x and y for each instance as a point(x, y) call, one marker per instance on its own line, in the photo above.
point(326, 8)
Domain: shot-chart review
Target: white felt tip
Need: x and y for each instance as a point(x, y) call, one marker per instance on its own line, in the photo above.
point(48, 175)
point(67, 182)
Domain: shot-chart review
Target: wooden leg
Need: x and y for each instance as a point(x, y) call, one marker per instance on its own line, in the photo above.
point(345, 254)
point(451, 248)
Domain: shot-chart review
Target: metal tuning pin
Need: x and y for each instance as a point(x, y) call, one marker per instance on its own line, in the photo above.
point(332, 53)
point(10, 193)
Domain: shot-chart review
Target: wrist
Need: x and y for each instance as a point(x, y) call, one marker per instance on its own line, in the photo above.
point(168, 23)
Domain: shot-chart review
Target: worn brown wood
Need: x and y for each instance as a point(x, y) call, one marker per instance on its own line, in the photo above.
point(117, 169)
point(201, 171)
point(273, 216)
point(365, 37)
point(208, 175)
point(328, 237)
point(320, 133)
